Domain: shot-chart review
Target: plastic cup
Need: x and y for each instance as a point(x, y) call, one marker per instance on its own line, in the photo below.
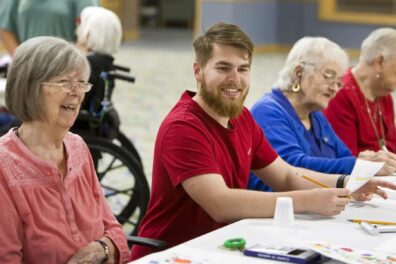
point(284, 213)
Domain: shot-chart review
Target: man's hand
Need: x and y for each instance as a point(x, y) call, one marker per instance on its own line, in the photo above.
point(367, 191)
point(328, 201)
point(92, 253)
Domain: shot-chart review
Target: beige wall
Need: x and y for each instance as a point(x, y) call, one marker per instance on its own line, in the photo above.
point(128, 12)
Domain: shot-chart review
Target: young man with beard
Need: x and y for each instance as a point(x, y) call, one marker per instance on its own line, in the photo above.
point(208, 144)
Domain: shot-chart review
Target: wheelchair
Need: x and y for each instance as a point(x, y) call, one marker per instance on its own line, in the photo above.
point(117, 162)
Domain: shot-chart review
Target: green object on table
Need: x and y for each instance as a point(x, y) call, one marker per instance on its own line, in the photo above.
point(235, 243)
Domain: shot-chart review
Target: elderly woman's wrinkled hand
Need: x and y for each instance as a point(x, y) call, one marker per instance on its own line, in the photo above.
point(93, 254)
point(367, 154)
point(382, 156)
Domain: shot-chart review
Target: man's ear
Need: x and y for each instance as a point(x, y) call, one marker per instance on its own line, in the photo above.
point(197, 72)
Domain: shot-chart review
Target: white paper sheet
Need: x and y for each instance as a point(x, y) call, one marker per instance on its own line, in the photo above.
point(388, 246)
point(363, 171)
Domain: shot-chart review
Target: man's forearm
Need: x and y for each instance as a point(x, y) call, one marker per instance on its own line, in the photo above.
point(297, 182)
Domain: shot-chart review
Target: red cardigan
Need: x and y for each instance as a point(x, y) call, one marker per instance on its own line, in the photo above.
point(347, 113)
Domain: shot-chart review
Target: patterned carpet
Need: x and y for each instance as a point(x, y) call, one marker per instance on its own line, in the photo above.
point(162, 63)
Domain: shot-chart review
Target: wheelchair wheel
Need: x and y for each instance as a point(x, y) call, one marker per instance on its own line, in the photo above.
point(124, 142)
point(123, 182)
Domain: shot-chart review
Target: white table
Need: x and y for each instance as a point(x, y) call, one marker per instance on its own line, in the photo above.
point(337, 230)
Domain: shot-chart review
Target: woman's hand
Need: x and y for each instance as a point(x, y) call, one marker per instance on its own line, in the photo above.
point(367, 191)
point(366, 155)
point(381, 156)
point(328, 201)
point(92, 253)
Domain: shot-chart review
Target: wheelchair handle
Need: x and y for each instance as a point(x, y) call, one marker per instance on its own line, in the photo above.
point(121, 68)
point(121, 76)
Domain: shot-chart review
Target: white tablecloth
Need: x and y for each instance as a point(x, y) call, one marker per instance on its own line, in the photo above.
point(337, 230)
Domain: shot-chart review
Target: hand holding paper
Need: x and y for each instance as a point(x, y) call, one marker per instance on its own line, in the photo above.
point(363, 171)
point(362, 184)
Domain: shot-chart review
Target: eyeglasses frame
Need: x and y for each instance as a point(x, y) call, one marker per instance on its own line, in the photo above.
point(330, 78)
point(87, 86)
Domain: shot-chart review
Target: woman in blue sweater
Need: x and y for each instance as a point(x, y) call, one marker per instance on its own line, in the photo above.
point(291, 114)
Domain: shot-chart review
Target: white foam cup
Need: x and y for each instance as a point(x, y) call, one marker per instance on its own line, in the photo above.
point(284, 213)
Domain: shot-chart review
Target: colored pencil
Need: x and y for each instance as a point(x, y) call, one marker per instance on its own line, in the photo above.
point(320, 184)
point(315, 181)
point(374, 222)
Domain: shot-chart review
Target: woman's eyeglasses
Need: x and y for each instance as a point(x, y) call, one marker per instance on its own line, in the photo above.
point(330, 76)
point(69, 86)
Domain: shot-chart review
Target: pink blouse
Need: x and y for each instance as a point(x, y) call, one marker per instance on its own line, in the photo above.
point(45, 219)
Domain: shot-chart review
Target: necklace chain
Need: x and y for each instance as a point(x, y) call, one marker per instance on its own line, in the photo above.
point(380, 140)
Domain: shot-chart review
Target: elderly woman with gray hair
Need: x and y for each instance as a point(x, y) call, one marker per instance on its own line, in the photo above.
point(291, 114)
point(52, 206)
point(362, 113)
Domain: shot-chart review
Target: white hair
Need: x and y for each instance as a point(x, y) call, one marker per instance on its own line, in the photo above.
point(100, 30)
point(312, 50)
point(380, 42)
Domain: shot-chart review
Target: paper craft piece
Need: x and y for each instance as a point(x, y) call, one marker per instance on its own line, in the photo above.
point(363, 171)
point(353, 256)
point(178, 258)
point(188, 255)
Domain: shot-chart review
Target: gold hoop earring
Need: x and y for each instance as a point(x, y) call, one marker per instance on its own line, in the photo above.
point(296, 87)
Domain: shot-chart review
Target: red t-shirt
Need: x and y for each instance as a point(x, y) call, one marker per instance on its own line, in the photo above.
point(191, 143)
point(348, 115)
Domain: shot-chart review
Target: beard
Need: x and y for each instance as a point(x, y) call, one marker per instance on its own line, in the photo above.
point(222, 106)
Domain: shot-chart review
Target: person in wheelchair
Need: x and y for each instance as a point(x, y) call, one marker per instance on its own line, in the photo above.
point(99, 35)
point(52, 206)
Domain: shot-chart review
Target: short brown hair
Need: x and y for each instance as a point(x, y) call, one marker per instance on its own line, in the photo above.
point(221, 33)
point(38, 60)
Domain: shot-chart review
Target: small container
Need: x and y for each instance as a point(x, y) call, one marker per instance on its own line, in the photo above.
point(284, 213)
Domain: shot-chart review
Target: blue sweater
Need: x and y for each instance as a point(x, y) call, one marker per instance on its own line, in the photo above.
point(318, 149)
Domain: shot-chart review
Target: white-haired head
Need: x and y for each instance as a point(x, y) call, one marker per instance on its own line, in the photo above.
point(312, 50)
point(100, 30)
point(380, 42)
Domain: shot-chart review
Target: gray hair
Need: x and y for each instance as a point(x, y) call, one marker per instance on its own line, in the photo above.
point(380, 42)
point(100, 29)
point(38, 60)
point(313, 50)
